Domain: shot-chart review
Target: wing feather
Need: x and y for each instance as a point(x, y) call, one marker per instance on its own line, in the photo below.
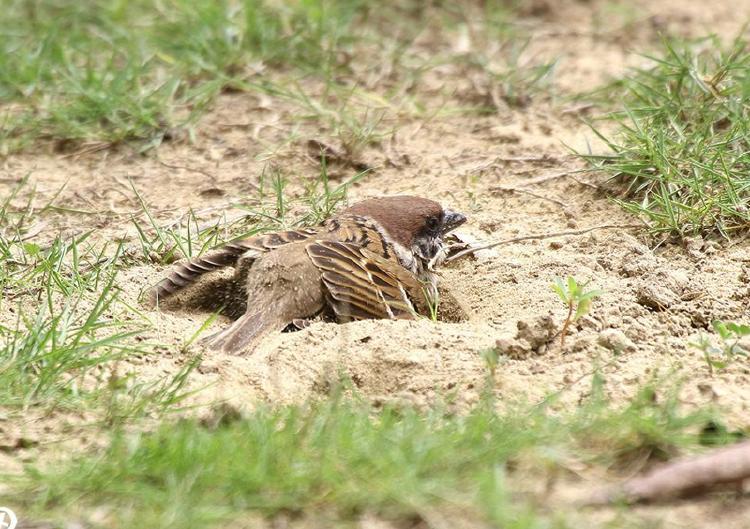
point(362, 284)
point(188, 272)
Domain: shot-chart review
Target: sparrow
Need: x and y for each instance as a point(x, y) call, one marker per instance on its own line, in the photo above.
point(374, 260)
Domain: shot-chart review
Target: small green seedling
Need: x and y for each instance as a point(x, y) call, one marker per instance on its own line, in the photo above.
point(730, 335)
point(491, 359)
point(576, 298)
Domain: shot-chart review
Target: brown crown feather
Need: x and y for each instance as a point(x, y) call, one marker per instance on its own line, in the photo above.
point(401, 216)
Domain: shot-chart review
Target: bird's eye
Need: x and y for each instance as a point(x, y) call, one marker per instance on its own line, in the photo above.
point(432, 223)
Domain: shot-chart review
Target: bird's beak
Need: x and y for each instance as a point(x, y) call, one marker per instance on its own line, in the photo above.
point(452, 220)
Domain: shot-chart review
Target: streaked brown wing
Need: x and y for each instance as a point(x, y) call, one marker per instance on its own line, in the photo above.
point(362, 284)
point(188, 272)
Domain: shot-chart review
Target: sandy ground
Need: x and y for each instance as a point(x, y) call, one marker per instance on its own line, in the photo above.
point(658, 298)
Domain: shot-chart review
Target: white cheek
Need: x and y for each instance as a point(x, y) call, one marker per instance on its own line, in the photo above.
point(405, 257)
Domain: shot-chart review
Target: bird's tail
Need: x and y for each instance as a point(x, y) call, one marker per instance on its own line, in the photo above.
point(243, 333)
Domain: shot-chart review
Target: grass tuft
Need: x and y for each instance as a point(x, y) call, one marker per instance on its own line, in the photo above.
point(49, 354)
point(681, 145)
point(344, 458)
point(65, 330)
point(100, 73)
point(121, 71)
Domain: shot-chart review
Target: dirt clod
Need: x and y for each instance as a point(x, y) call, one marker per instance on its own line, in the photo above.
point(654, 294)
point(530, 338)
point(615, 340)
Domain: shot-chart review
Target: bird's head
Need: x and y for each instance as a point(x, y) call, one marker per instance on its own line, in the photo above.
point(416, 223)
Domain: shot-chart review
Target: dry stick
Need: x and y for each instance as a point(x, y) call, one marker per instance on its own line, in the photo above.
point(541, 236)
point(543, 158)
point(510, 159)
point(585, 183)
point(88, 148)
point(531, 193)
point(547, 178)
point(554, 176)
point(723, 466)
point(577, 109)
point(189, 169)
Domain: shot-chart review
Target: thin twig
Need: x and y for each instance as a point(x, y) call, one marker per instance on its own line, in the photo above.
point(555, 176)
point(585, 183)
point(89, 148)
point(578, 109)
point(541, 236)
point(497, 160)
point(185, 168)
point(547, 178)
point(544, 158)
point(531, 193)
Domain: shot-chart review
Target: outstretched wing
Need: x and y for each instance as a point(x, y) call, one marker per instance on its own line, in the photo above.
point(188, 272)
point(363, 285)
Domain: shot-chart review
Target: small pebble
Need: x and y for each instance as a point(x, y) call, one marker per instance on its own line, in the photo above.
point(615, 340)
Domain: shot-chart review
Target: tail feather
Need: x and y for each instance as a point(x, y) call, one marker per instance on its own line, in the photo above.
point(243, 332)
